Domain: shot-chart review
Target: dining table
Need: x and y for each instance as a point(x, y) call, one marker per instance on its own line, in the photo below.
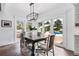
point(34, 39)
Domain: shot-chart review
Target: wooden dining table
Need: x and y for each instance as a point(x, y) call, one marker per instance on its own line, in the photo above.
point(34, 39)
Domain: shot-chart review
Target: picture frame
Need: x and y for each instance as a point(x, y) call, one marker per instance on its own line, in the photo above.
point(6, 23)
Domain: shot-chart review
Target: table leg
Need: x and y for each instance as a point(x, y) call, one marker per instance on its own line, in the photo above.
point(33, 48)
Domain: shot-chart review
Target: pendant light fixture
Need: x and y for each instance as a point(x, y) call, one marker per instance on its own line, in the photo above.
point(33, 15)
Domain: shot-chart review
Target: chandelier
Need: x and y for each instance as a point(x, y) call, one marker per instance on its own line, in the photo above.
point(33, 15)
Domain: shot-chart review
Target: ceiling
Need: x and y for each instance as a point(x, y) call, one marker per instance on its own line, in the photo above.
point(24, 9)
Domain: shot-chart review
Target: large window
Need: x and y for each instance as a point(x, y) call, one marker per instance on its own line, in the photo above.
point(47, 28)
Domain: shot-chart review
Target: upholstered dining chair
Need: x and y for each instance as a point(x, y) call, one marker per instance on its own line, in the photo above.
point(48, 46)
point(46, 34)
point(23, 44)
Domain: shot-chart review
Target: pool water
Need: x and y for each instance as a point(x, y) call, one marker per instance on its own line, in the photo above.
point(57, 33)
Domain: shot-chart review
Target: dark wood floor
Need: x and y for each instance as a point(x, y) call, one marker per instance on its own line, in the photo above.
point(14, 50)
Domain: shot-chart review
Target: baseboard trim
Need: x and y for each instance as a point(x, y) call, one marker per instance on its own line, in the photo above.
point(8, 44)
point(64, 48)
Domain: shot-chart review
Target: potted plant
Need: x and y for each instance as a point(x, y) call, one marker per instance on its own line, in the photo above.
point(33, 30)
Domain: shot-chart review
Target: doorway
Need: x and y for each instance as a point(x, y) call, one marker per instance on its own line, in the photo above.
point(58, 31)
point(19, 27)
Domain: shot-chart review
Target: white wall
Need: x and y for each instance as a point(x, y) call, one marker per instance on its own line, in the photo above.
point(70, 29)
point(7, 35)
point(12, 12)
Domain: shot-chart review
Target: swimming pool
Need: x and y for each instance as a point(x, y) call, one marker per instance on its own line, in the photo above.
point(57, 33)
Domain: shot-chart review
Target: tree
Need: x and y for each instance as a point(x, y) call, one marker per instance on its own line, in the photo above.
point(58, 25)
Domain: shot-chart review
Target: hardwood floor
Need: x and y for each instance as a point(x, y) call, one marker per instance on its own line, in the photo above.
point(14, 50)
point(10, 50)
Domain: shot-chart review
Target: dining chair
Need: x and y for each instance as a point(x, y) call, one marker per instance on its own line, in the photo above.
point(22, 42)
point(24, 46)
point(48, 46)
point(46, 34)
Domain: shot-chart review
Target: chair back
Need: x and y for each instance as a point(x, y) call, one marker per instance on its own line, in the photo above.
point(22, 37)
point(51, 41)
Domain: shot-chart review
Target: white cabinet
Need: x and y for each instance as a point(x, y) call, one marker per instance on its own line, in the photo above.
point(76, 52)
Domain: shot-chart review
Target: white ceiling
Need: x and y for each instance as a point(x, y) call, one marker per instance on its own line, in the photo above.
point(24, 9)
